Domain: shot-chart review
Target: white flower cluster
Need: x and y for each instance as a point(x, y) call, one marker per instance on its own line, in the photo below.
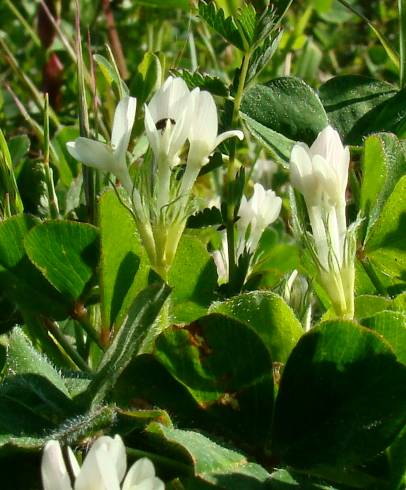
point(174, 115)
point(255, 215)
point(103, 468)
point(320, 173)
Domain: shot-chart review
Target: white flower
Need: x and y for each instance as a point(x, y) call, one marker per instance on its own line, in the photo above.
point(104, 468)
point(255, 215)
point(203, 136)
point(167, 119)
point(109, 157)
point(220, 258)
point(320, 173)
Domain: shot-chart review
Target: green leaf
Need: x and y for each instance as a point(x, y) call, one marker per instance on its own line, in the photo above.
point(66, 253)
point(342, 398)
point(225, 468)
point(279, 146)
point(19, 279)
point(204, 81)
point(206, 217)
point(10, 195)
point(246, 20)
point(386, 245)
point(383, 164)
point(124, 264)
point(288, 106)
point(148, 78)
point(18, 147)
point(22, 358)
point(193, 277)
point(226, 27)
point(127, 342)
point(228, 371)
point(110, 73)
point(68, 167)
point(352, 103)
point(270, 317)
point(262, 56)
point(289, 480)
point(146, 382)
point(368, 305)
point(397, 458)
point(392, 326)
point(33, 381)
point(392, 114)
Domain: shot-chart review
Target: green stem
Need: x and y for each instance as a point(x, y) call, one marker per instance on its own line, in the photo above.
point(385, 43)
point(402, 42)
point(55, 330)
point(366, 264)
point(231, 171)
point(82, 317)
point(24, 23)
point(37, 96)
point(52, 199)
point(88, 173)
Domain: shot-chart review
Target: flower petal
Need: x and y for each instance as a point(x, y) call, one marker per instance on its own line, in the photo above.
point(205, 123)
point(53, 470)
point(98, 471)
point(141, 476)
point(228, 134)
point(152, 132)
point(73, 463)
point(92, 153)
point(165, 103)
point(123, 124)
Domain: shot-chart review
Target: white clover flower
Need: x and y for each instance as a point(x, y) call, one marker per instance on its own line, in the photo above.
point(103, 468)
point(109, 157)
point(167, 119)
point(220, 258)
point(256, 214)
point(320, 173)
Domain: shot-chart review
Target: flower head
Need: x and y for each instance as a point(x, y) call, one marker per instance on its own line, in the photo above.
point(109, 157)
point(167, 119)
point(103, 468)
point(256, 214)
point(321, 171)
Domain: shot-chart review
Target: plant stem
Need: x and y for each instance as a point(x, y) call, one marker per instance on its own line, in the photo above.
point(88, 173)
point(402, 42)
point(366, 264)
point(52, 199)
point(231, 172)
point(37, 96)
point(24, 23)
point(55, 330)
